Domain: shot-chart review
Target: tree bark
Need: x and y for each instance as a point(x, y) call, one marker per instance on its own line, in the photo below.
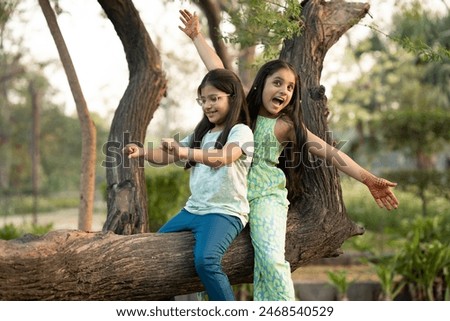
point(319, 214)
point(127, 195)
point(73, 265)
point(36, 105)
point(88, 130)
point(212, 11)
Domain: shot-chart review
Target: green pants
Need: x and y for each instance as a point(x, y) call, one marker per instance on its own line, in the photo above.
point(272, 274)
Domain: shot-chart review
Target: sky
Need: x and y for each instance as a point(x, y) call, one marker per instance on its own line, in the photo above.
point(99, 59)
point(98, 55)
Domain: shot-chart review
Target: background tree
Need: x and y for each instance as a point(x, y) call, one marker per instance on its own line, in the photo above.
point(401, 102)
point(12, 69)
point(88, 132)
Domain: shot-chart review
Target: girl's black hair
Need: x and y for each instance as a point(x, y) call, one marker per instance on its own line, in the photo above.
point(293, 158)
point(228, 82)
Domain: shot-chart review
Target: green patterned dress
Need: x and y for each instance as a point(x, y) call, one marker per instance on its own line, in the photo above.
point(267, 195)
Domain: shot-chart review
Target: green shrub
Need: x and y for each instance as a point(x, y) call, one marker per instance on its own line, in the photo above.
point(168, 191)
point(11, 231)
point(421, 264)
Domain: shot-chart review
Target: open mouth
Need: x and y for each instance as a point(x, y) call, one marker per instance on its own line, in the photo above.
point(278, 101)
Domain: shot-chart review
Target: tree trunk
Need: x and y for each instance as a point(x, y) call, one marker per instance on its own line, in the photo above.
point(212, 11)
point(88, 131)
point(127, 195)
point(36, 104)
point(319, 214)
point(73, 265)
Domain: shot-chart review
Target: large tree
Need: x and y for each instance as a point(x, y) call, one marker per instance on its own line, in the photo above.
point(127, 195)
point(77, 265)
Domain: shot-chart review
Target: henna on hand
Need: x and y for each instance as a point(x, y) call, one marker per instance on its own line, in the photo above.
point(380, 190)
point(190, 21)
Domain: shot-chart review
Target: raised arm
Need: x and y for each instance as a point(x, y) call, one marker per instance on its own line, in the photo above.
point(192, 30)
point(380, 188)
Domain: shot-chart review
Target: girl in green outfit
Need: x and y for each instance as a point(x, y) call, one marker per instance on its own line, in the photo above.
point(276, 120)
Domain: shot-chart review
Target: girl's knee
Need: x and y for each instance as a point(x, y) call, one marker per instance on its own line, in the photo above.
point(207, 264)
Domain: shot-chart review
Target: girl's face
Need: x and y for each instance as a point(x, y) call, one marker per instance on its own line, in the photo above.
point(215, 105)
point(277, 92)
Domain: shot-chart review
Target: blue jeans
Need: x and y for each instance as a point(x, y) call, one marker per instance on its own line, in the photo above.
point(213, 235)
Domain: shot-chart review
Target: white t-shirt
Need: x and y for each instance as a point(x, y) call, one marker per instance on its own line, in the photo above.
point(222, 190)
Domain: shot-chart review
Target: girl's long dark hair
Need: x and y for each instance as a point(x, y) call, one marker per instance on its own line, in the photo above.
point(228, 82)
point(293, 158)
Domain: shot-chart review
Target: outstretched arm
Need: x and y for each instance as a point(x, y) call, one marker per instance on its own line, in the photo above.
point(192, 30)
point(380, 188)
point(210, 157)
point(155, 156)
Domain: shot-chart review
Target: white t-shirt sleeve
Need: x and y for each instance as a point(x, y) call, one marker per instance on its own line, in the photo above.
point(242, 135)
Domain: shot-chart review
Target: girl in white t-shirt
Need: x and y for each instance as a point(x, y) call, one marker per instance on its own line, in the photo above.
point(219, 154)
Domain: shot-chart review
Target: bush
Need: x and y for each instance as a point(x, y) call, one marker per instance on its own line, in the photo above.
point(167, 192)
point(10, 231)
point(422, 263)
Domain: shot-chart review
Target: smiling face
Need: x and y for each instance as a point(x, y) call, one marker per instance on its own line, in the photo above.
point(215, 106)
point(278, 91)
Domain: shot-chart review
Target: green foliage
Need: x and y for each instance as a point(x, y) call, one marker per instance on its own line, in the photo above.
point(424, 130)
point(10, 231)
point(385, 270)
point(385, 231)
point(339, 280)
point(424, 260)
point(419, 31)
point(420, 261)
point(23, 204)
point(266, 23)
point(7, 7)
point(402, 101)
point(168, 191)
point(426, 184)
point(424, 52)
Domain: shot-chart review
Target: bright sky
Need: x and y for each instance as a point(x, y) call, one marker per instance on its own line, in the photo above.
point(99, 59)
point(98, 54)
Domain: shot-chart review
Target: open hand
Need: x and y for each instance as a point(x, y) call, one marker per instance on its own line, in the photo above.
point(380, 189)
point(191, 24)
